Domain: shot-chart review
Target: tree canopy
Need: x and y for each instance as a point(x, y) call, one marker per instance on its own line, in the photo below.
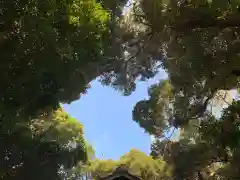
point(37, 150)
point(135, 162)
point(196, 43)
point(51, 50)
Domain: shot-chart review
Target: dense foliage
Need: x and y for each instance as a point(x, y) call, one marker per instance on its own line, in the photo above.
point(135, 162)
point(37, 150)
point(51, 50)
point(46, 47)
point(198, 45)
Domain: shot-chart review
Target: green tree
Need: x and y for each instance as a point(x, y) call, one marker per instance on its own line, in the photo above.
point(154, 114)
point(145, 166)
point(38, 150)
point(50, 51)
point(136, 162)
point(210, 146)
point(195, 42)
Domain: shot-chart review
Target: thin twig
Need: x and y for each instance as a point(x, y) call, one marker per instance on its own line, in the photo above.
point(170, 136)
point(224, 98)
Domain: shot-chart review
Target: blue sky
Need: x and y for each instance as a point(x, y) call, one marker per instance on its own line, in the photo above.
point(107, 119)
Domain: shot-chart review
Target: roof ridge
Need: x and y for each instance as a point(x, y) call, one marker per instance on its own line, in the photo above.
point(120, 171)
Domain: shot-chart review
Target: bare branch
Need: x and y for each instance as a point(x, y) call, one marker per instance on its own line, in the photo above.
point(170, 136)
point(224, 98)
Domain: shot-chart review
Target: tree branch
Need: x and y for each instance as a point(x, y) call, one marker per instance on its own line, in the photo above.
point(170, 136)
point(206, 23)
point(203, 109)
point(200, 177)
